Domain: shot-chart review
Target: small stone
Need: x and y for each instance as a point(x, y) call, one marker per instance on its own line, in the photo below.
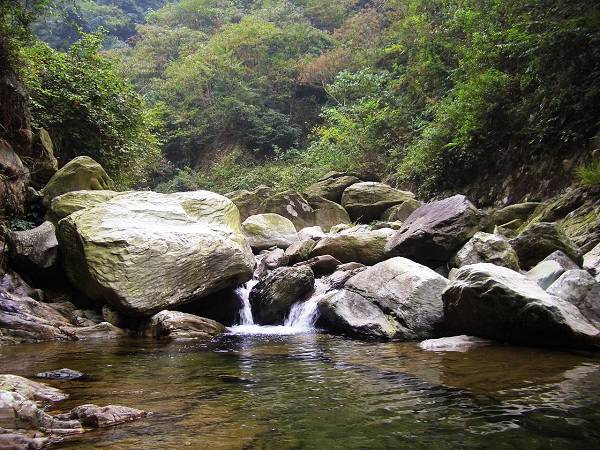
point(61, 374)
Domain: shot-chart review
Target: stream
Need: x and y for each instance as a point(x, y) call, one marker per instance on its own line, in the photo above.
point(311, 390)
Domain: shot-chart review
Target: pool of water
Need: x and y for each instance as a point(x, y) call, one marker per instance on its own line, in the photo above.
point(322, 392)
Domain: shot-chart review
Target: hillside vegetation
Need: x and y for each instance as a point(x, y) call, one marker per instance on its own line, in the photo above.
point(229, 94)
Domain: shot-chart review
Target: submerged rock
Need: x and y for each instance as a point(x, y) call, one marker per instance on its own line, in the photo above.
point(22, 440)
point(460, 343)
point(435, 231)
point(175, 324)
point(60, 374)
point(485, 247)
point(273, 295)
point(104, 416)
point(18, 411)
point(143, 251)
point(540, 240)
point(498, 303)
point(368, 200)
point(269, 230)
point(81, 173)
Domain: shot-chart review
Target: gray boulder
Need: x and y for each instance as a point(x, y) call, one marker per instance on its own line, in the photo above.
point(540, 240)
point(328, 213)
point(498, 303)
point(180, 325)
point(435, 231)
point(545, 273)
point(321, 265)
point(269, 230)
point(485, 247)
point(275, 258)
point(582, 290)
point(99, 331)
point(561, 258)
point(346, 312)
point(405, 290)
point(272, 297)
point(363, 247)
point(591, 261)
point(66, 204)
point(143, 252)
point(399, 213)
point(332, 186)
point(518, 211)
point(299, 251)
point(34, 250)
point(315, 233)
point(248, 202)
point(292, 206)
point(368, 200)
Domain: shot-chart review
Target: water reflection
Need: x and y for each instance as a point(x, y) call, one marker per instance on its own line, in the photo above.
point(318, 391)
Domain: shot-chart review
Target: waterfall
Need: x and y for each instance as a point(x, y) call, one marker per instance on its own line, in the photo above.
point(243, 292)
point(300, 319)
point(303, 315)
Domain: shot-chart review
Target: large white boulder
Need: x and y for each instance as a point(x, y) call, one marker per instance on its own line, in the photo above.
point(143, 252)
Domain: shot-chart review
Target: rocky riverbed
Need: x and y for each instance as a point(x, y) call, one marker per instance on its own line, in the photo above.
point(348, 257)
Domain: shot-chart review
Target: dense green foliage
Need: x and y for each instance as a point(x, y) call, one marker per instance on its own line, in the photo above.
point(81, 99)
point(69, 18)
point(428, 94)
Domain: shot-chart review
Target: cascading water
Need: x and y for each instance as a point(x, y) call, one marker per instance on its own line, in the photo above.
point(243, 292)
point(303, 315)
point(301, 318)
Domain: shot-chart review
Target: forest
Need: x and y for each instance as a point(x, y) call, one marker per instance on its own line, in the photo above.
point(299, 224)
point(231, 94)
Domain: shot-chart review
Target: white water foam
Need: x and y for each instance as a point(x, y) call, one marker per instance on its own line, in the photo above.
point(300, 320)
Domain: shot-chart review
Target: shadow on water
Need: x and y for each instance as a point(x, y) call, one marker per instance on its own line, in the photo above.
point(319, 391)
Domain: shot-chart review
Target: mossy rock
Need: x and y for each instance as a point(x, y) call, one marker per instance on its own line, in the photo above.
point(81, 173)
point(66, 204)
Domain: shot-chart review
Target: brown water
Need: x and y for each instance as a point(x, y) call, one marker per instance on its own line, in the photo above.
point(319, 391)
